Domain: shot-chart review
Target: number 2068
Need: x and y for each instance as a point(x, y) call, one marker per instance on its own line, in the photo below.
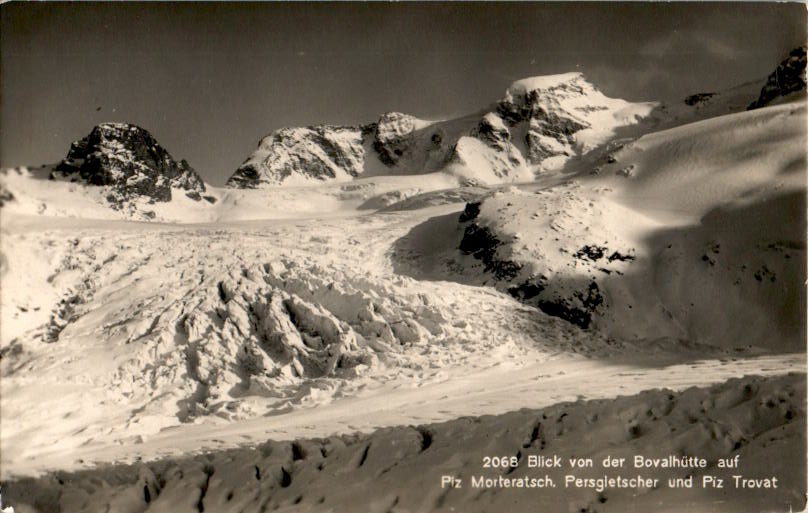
point(500, 461)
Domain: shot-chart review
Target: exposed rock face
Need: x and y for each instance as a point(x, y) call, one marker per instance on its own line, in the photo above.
point(539, 258)
point(5, 195)
point(482, 243)
point(695, 99)
point(330, 153)
point(789, 77)
point(315, 153)
point(492, 131)
point(551, 126)
point(495, 136)
point(392, 138)
point(130, 160)
point(547, 113)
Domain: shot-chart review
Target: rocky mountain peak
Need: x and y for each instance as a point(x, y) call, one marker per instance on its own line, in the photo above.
point(545, 103)
point(789, 77)
point(128, 159)
point(321, 152)
point(539, 118)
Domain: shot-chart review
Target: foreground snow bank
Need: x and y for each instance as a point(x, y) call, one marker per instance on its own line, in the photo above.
point(761, 421)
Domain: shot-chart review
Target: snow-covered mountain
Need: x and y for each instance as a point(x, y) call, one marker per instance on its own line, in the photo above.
point(539, 123)
point(356, 277)
point(118, 170)
point(654, 240)
point(318, 152)
point(127, 158)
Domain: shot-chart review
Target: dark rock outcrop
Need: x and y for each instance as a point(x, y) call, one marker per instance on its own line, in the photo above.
point(562, 278)
point(128, 159)
point(392, 136)
point(695, 99)
point(6, 195)
point(492, 131)
point(489, 140)
point(546, 120)
point(789, 77)
point(482, 244)
point(471, 212)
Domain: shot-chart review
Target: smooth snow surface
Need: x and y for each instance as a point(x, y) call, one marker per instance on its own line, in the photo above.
point(35, 195)
point(691, 169)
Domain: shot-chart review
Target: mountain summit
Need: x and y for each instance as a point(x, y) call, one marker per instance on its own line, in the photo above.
point(539, 123)
point(127, 158)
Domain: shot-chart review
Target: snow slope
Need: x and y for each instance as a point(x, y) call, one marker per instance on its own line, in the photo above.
point(693, 168)
point(759, 421)
point(688, 230)
point(34, 195)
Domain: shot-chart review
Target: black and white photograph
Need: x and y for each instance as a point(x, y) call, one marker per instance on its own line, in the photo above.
point(403, 257)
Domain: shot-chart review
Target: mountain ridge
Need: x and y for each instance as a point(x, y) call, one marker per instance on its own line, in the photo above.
point(536, 120)
point(541, 124)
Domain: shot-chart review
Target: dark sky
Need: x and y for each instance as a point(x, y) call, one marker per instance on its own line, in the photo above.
point(209, 79)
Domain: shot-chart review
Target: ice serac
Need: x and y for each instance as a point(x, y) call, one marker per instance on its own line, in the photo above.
point(789, 77)
point(129, 160)
point(539, 118)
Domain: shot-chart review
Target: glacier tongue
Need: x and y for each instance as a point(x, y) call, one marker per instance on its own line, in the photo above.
point(267, 327)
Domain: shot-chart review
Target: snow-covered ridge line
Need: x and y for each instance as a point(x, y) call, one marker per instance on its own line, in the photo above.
point(549, 123)
point(525, 85)
point(539, 123)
